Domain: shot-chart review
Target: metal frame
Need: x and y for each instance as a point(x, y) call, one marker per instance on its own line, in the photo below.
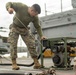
point(59, 39)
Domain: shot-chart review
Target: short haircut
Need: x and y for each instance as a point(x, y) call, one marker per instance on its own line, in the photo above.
point(37, 8)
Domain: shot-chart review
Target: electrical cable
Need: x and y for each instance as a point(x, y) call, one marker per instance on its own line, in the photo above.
point(27, 65)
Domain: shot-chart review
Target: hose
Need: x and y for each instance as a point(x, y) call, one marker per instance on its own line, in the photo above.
point(27, 65)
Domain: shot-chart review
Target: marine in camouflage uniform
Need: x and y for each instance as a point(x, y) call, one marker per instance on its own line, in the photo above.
point(19, 26)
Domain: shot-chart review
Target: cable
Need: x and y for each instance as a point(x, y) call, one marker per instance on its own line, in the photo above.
point(27, 65)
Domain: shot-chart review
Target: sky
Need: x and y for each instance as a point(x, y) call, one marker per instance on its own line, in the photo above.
point(52, 7)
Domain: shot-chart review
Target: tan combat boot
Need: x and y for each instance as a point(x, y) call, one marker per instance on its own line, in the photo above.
point(14, 65)
point(36, 63)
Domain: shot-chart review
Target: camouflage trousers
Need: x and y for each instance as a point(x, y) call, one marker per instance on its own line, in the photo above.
point(28, 39)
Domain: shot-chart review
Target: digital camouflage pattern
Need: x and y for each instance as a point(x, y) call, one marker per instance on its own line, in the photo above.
point(21, 20)
point(27, 38)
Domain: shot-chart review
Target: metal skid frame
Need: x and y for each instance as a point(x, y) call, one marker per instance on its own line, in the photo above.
point(65, 40)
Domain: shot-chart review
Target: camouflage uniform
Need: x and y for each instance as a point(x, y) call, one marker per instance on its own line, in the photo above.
point(27, 38)
point(16, 28)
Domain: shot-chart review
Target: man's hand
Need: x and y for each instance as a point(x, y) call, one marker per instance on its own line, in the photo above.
point(10, 10)
point(43, 37)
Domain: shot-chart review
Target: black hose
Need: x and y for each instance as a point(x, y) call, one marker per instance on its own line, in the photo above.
point(27, 65)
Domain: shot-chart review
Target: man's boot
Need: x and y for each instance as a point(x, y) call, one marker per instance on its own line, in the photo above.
point(14, 65)
point(36, 63)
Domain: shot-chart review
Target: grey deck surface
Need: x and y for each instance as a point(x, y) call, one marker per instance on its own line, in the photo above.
point(23, 69)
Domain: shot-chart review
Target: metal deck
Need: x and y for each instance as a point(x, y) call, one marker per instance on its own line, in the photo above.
point(24, 70)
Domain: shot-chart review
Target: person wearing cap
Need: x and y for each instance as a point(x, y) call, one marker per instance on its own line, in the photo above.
point(23, 16)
